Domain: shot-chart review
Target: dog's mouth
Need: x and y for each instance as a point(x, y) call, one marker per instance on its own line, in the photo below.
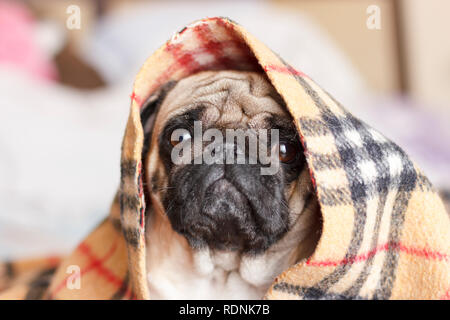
point(227, 210)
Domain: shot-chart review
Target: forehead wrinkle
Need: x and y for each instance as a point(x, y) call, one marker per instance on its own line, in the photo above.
point(252, 94)
point(247, 110)
point(231, 100)
point(215, 82)
point(243, 98)
point(215, 98)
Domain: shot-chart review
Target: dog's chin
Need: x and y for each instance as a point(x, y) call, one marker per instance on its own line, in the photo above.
point(232, 211)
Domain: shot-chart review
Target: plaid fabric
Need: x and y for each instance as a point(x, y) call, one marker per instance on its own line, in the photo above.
point(385, 231)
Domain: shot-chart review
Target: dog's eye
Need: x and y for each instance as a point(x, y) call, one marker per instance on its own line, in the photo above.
point(179, 135)
point(288, 152)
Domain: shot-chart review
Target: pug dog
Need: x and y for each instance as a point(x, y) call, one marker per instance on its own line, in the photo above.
point(223, 230)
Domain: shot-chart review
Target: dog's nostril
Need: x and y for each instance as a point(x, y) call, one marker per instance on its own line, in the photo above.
point(223, 199)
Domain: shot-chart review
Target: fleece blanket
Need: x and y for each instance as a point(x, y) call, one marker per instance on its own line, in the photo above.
point(385, 232)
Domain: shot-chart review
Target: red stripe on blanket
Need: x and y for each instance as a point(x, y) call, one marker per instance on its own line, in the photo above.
point(53, 261)
point(283, 69)
point(446, 295)
point(186, 59)
point(248, 57)
point(182, 58)
point(136, 99)
point(96, 264)
point(424, 253)
point(211, 46)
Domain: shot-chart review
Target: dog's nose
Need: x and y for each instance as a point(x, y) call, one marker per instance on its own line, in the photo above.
point(229, 208)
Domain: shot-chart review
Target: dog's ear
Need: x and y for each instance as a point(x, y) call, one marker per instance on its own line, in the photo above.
point(149, 111)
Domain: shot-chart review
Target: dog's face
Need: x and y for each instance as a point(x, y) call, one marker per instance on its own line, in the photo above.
point(225, 205)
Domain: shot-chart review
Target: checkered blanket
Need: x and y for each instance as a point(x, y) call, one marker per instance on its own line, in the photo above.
point(385, 233)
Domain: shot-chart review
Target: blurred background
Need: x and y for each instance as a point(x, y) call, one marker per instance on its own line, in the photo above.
point(67, 69)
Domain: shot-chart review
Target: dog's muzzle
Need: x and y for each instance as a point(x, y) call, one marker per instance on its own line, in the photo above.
point(227, 206)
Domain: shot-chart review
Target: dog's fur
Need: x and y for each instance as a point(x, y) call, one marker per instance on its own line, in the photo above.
point(222, 231)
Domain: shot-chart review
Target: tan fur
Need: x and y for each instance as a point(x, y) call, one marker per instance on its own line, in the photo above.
point(231, 100)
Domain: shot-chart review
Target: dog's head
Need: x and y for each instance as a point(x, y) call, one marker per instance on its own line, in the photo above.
point(209, 138)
